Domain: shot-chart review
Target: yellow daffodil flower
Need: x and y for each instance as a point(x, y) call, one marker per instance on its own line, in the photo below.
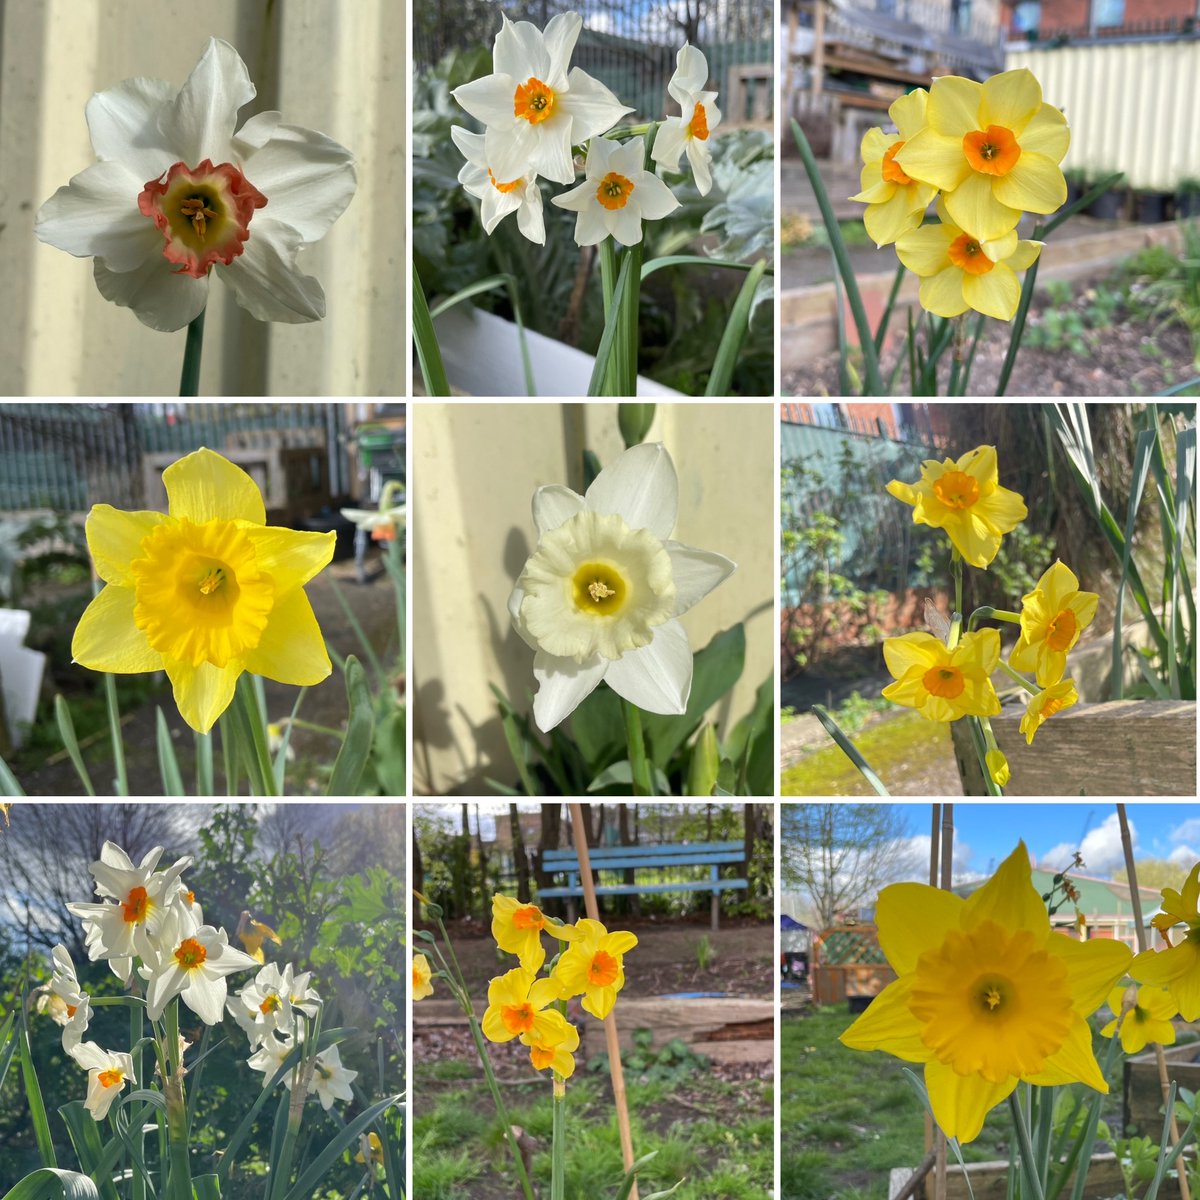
point(997, 766)
point(1045, 704)
point(204, 593)
point(518, 930)
point(252, 934)
point(986, 994)
point(593, 965)
point(966, 500)
point(895, 203)
point(1052, 617)
point(517, 1001)
point(1147, 1022)
point(1176, 968)
point(422, 977)
point(961, 271)
point(370, 1148)
point(993, 149)
point(552, 1044)
point(943, 684)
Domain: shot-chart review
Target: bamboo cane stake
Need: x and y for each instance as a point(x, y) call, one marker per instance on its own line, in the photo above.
point(1139, 932)
point(934, 830)
point(612, 1041)
point(946, 850)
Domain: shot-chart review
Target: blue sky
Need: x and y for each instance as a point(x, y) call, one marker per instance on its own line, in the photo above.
point(986, 833)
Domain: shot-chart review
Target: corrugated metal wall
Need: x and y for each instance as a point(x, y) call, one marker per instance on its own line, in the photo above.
point(1132, 106)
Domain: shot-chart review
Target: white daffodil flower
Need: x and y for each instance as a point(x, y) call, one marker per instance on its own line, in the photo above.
point(191, 962)
point(108, 1073)
point(689, 132)
point(177, 193)
point(271, 1000)
point(64, 983)
point(600, 596)
point(617, 194)
point(123, 931)
point(533, 109)
point(497, 196)
point(77, 1024)
point(330, 1080)
point(268, 1057)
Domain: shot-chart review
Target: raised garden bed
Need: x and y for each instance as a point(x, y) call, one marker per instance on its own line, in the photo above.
point(1142, 1098)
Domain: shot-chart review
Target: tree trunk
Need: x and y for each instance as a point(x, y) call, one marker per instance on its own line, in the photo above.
point(750, 837)
point(520, 860)
point(634, 907)
point(550, 835)
point(418, 867)
point(485, 900)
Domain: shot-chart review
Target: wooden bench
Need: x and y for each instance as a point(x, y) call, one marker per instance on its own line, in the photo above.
point(713, 855)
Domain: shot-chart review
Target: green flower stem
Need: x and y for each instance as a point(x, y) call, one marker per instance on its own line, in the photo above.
point(558, 1167)
point(136, 1019)
point(459, 984)
point(987, 613)
point(179, 1182)
point(1028, 1161)
point(114, 729)
point(1033, 691)
point(614, 371)
point(189, 378)
point(639, 764)
point(956, 567)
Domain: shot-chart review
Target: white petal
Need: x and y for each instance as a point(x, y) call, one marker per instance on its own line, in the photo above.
point(627, 159)
point(520, 51)
point(123, 122)
point(554, 504)
point(593, 108)
point(307, 178)
point(489, 100)
point(201, 122)
point(256, 132)
point(562, 686)
point(551, 153)
point(578, 198)
point(600, 154)
point(266, 280)
point(161, 297)
point(496, 205)
point(96, 216)
point(654, 198)
point(696, 573)
point(641, 487)
point(669, 143)
point(699, 156)
point(591, 226)
point(205, 997)
point(658, 677)
point(514, 612)
point(529, 215)
point(470, 145)
point(163, 986)
point(625, 224)
point(691, 74)
point(562, 32)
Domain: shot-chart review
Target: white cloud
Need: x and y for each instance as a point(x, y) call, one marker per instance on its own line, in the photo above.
point(1188, 831)
point(1101, 849)
point(1184, 855)
point(914, 855)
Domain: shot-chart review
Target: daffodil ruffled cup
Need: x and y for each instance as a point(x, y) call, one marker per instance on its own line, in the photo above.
point(600, 597)
point(964, 498)
point(204, 593)
point(987, 995)
point(1045, 704)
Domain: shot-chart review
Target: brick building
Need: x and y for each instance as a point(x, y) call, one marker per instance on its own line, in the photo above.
point(1048, 19)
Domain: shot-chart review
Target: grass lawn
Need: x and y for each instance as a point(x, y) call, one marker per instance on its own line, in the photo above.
point(717, 1136)
point(847, 1117)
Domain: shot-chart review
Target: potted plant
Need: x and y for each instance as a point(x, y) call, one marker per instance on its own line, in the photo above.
point(1187, 197)
point(1152, 207)
point(1110, 205)
point(1077, 183)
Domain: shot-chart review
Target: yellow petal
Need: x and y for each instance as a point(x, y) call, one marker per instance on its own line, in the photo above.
point(874, 191)
point(1024, 656)
point(1011, 99)
point(934, 158)
point(975, 207)
point(917, 649)
point(1047, 133)
point(202, 693)
point(618, 942)
point(493, 1026)
point(114, 540)
point(909, 691)
point(1024, 256)
point(1074, 1062)
point(953, 106)
point(981, 648)
point(204, 485)
point(942, 294)
point(888, 221)
point(925, 251)
point(888, 1025)
point(291, 649)
point(1036, 183)
point(908, 112)
point(1003, 510)
point(996, 294)
point(875, 144)
point(973, 539)
point(1009, 898)
point(1092, 969)
point(599, 1001)
point(106, 639)
point(289, 556)
point(960, 1102)
point(902, 491)
point(912, 918)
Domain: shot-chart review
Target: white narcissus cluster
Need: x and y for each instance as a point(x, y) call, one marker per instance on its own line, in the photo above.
point(179, 193)
point(147, 922)
point(535, 108)
point(600, 597)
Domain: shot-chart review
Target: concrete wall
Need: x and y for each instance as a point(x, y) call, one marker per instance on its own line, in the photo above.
point(334, 65)
point(475, 468)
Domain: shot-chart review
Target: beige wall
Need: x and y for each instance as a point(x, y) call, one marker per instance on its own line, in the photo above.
point(333, 65)
point(474, 471)
point(1132, 107)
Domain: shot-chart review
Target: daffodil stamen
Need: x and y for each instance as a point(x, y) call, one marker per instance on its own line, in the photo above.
point(135, 906)
point(212, 580)
point(966, 252)
point(533, 101)
point(190, 954)
point(196, 209)
point(614, 191)
point(114, 1078)
point(992, 151)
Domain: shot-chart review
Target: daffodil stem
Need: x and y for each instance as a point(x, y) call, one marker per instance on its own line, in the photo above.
point(956, 563)
point(558, 1165)
point(987, 613)
point(459, 984)
point(180, 1179)
point(1018, 677)
point(639, 764)
point(136, 1019)
point(114, 729)
point(189, 377)
point(1028, 1161)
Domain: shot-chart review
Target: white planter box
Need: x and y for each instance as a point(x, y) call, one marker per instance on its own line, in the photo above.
point(482, 355)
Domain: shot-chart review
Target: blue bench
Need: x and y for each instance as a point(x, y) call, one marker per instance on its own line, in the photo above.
point(713, 855)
